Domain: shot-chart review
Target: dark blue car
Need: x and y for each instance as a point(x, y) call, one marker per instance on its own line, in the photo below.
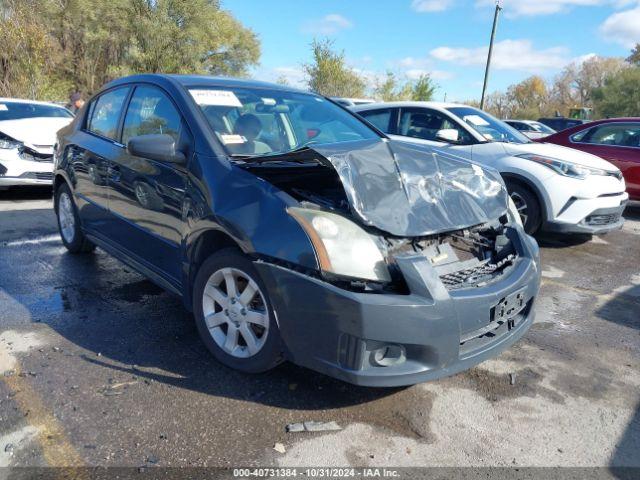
point(295, 230)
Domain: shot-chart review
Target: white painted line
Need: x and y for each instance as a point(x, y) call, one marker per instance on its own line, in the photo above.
point(32, 241)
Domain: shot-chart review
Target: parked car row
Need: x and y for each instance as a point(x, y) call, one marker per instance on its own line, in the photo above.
point(382, 244)
point(554, 188)
point(27, 135)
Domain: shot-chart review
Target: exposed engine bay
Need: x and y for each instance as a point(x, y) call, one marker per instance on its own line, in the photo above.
point(466, 258)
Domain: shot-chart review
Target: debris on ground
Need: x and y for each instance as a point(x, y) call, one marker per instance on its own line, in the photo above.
point(313, 427)
point(279, 447)
point(512, 378)
point(8, 448)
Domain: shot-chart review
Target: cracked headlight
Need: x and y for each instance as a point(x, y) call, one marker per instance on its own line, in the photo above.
point(567, 169)
point(8, 144)
point(342, 247)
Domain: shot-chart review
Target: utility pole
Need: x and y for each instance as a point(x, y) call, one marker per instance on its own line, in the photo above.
point(493, 35)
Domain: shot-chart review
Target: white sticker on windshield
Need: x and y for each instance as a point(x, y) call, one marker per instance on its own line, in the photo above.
point(221, 98)
point(3, 107)
point(476, 120)
point(230, 139)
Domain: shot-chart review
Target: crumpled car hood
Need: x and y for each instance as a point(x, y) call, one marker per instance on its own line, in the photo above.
point(37, 133)
point(411, 190)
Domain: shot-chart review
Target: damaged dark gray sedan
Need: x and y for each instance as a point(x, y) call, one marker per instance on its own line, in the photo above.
point(296, 231)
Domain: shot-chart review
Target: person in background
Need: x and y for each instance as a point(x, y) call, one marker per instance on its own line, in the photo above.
point(75, 102)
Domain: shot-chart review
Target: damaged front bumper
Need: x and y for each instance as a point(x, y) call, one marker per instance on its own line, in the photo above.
point(389, 339)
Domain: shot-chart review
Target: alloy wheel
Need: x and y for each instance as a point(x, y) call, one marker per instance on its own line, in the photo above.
point(235, 312)
point(66, 217)
point(521, 206)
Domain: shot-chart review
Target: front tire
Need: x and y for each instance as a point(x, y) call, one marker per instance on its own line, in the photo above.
point(234, 315)
point(69, 222)
point(527, 204)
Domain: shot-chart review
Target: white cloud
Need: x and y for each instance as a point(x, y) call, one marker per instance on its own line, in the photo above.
point(623, 27)
point(413, 68)
point(507, 55)
point(422, 6)
point(327, 25)
point(522, 8)
point(416, 73)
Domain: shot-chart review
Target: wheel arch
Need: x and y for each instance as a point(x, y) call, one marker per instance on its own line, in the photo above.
point(542, 199)
point(206, 244)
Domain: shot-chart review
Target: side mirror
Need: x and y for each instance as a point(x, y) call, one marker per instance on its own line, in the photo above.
point(449, 135)
point(159, 147)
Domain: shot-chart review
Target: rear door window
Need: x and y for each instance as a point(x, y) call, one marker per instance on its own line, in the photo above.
point(425, 124)
point(615, 134)
point(378, 118)
point(105, 113)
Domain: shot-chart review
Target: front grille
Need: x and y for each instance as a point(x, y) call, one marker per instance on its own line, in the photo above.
point(44, 175)
point(606, 219)
point(38, 175)
point(477, 275)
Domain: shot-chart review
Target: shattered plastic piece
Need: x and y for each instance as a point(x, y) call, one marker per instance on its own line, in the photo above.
point(413, 190)
point(313, 427)
point(278, 447)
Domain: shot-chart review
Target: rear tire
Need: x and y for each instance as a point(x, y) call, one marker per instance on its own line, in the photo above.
point(527, 204)
point(69, 222)
point(234, 315)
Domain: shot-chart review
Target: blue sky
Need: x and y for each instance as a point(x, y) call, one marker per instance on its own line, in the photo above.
point(447, 38)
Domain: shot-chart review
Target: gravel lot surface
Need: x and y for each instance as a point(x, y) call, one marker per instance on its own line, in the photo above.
point(98, 366)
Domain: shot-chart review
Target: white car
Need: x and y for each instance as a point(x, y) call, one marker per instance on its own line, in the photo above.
point(554, 188)
point(531, 129)
point(27, 135)
point(352, 102)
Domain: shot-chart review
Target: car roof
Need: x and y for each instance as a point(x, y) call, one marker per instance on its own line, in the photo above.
point(201, 81)
point(31, 102)
point(521, 121)
point(434, 105)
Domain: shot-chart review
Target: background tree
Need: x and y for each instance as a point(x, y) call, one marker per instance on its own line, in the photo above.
point(50, 47)
point(423, 89)
point(634, 58)
point(328, 73)
point(389, 89)
point(620, 96)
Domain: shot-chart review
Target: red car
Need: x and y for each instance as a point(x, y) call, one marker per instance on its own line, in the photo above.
point(615, 139)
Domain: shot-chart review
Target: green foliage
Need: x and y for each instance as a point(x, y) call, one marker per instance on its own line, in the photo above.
point(634, 58)
point(55, 46)
point(328, 73)
point(620, 96)
point(390, 89)
point(423, 89)
point(574, 87)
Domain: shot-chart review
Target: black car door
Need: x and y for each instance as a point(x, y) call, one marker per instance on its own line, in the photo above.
point(146, 197)
point(88, 155)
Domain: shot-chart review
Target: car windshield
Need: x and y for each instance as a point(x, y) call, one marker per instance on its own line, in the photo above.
point(256, 122)
point(489, 127)
point(20, 110)
point(541, 127)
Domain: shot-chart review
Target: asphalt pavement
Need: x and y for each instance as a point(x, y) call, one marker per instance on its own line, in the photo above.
point(100, 367)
